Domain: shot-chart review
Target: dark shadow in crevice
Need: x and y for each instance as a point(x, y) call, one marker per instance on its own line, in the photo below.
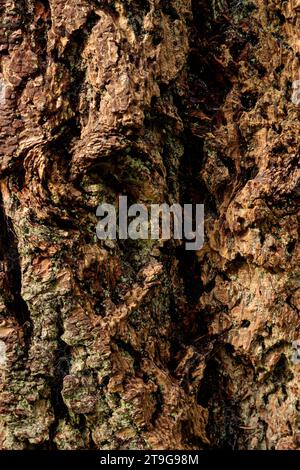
point(10, 257)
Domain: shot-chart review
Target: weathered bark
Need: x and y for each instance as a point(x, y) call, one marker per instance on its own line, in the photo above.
point(140, 344)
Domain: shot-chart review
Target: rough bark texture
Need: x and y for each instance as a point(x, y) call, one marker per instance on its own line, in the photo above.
point(140, 344)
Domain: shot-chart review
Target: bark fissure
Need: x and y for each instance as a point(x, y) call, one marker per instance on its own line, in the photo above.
point(14, 303)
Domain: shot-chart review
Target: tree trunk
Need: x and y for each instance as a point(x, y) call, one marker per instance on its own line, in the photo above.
point(141, 344)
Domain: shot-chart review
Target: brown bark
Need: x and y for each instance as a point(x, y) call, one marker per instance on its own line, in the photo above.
point(140, 344)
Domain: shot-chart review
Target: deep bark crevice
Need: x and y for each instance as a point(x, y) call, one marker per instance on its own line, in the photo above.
point(9, 253)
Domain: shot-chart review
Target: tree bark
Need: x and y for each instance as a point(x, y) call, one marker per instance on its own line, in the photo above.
point(141, 344)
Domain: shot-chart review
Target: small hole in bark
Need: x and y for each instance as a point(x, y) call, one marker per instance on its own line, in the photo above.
point(170, 11)
point(261, 70)
point(97, 100)
point(249, 100)
point(245, 324)
point(229, 348)
point(280, 16)
point(279, 150)
point(156, 40)
point(105, 381)
point(265, 399)
point(4, 52)
point(280, 68)
point(131, 58)
point(253, 39)
point(249, 173)
point(277, 128)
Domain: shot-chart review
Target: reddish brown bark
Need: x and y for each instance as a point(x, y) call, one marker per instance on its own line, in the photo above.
point(140, 344)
